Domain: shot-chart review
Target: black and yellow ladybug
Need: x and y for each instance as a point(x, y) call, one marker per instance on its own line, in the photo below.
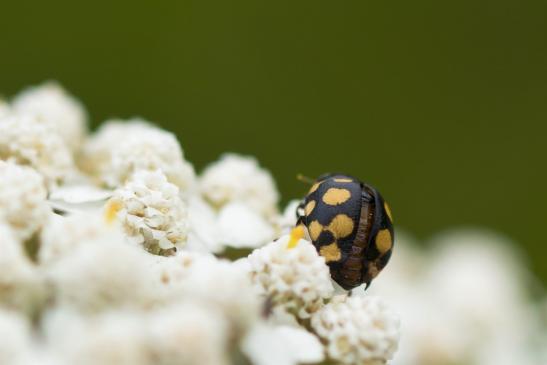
point(350, 225)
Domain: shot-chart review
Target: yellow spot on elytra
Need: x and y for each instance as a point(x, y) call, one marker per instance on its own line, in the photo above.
point(309, 207)
point(343, 180)
point(335, 196)
point(111, 210)
point(383, 241)
point(341, 226)
point(314, 187)
point(388, 211)
point(315, 229)
point(297, 233)
point(331, 252)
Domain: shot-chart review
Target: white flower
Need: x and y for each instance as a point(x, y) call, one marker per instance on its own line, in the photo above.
point(204, 234)
point(292, 275)
point(20, 284)
point(476, 278)
point(358, 330)
point(120, 148)
point(227, 287)
point(23, 202)
point(111, 338)
point(206, 280)
point(54, 107)
point(473, 272)
point(455, 300)
point(240, 226)
point(188, 334)
point(240, 178)
point(104, 274)
point(282, 345)
point(62, 234)
point(79, 198)
point(151, 211)
point(15, 339)
point(26, 141)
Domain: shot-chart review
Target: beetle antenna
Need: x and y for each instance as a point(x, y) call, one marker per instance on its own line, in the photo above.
point(304, 179)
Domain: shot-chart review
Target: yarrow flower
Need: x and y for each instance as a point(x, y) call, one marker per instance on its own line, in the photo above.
point(62, 234)
point(128, 259)
point(357, 330)
point(242, 227)
point(212, 282)
point(240, 178)
point(104, 274)
point(204, 234)
point(151, 211)
point(114, 337)
point(291, 274)
point(119, 149)
point(26, 141)
point(189, 334)
point(20, 283)
point(54, 107)
point(282, 345)
point(23, 202)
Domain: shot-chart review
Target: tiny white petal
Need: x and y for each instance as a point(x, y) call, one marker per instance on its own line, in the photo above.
point(240, 226)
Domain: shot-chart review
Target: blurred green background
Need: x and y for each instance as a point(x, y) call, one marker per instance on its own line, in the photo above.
point(441, 105)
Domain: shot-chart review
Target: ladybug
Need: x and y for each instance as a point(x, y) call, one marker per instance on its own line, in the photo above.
point(350, 225)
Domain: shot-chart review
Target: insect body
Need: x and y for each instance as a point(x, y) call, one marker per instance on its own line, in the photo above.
point(350, 225)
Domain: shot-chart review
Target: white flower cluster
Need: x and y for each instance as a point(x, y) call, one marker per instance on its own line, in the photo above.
point(26, 141)
point(23, 202)
point(121, 148)
point(295, 279)
point(465, 299)
point(20, 284)
point(54, 107)
point(358, 330)
point(238, 178)
point(151, 211)
point(129, 258)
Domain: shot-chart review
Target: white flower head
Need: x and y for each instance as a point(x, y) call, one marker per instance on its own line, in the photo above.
point(23, 202)
point(292, 275)
point(204, 234)
point(20, 283)
point(240, 226)
point(358, 330)
point(151, 211)
point(111, 338)
point(188, 334)
point(239, 178)
point(62, 234)
point(227, 287)
point(26, 141)
point(16, 338)
point(104, 274)
point(282, 345)
point(54, 107)
point(121, 148)
point(473, 271)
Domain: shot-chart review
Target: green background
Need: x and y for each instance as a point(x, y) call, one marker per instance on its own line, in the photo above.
point(439, 104)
